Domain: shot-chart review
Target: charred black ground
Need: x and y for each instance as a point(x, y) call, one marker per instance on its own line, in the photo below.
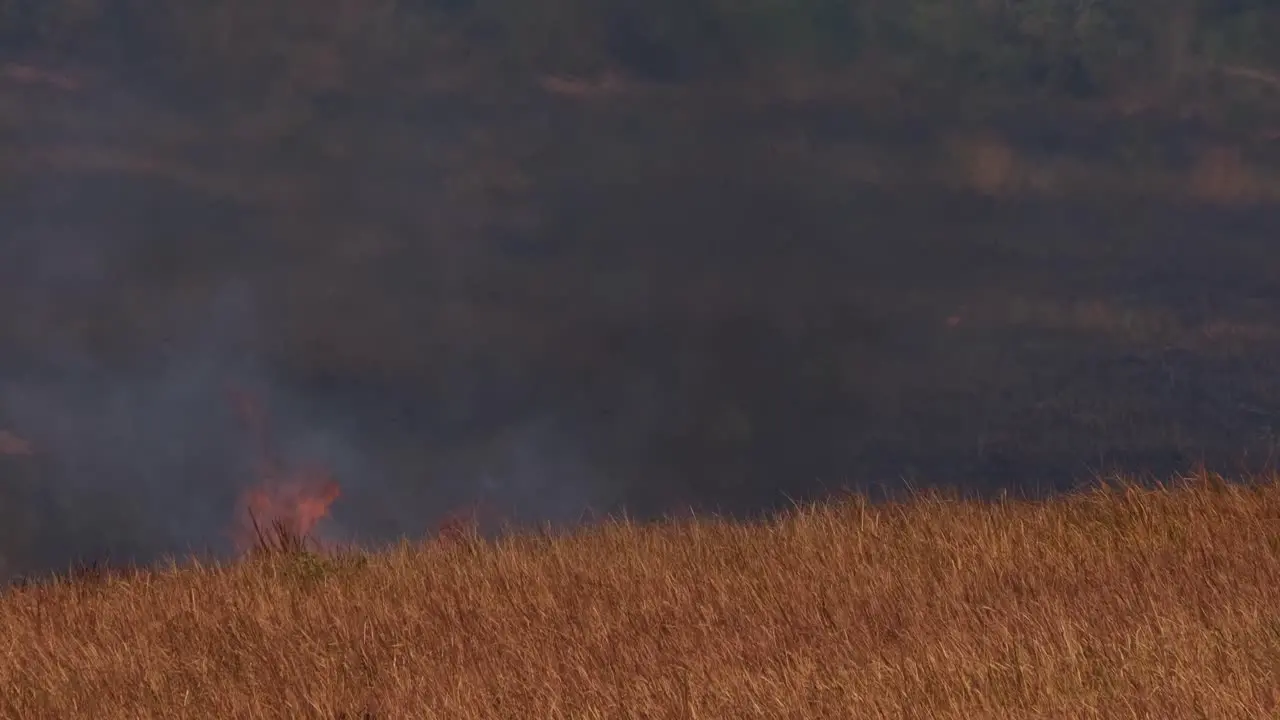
point(556, 300)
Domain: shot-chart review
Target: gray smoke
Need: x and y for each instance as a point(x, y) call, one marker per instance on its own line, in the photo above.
point(147, 459)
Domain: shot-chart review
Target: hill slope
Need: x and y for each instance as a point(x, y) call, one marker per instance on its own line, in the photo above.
point(1122, 602)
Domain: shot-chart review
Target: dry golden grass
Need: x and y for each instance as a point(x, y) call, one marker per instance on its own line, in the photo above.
point(1113, 603)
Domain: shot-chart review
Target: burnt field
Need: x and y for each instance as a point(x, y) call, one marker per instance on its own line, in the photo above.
point(546, 307)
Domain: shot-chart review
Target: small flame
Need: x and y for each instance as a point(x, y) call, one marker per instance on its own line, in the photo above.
point(294, 506)
point(290, 501)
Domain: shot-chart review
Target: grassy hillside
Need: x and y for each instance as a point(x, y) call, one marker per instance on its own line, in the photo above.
point(1120, 602)
point(757, 250)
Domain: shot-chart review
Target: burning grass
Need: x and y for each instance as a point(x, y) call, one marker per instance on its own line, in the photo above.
point(1120, 602)
point(281, 511)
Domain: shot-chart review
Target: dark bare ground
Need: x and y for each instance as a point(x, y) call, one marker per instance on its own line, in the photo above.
point(653, 311)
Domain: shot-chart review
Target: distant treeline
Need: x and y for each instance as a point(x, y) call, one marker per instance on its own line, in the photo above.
point(1076, 47)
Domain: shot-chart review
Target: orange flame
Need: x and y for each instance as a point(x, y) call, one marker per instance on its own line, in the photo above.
point(286, 500)
point(294, 505)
